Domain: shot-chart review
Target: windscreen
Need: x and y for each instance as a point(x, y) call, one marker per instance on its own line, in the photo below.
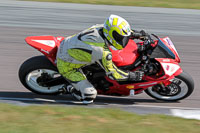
point(162, 51)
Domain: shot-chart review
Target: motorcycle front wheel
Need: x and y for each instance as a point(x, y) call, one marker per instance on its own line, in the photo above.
point(40, 76)
point(181, 87)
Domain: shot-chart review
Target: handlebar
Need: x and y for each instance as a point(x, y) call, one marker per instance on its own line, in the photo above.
point(149, 45)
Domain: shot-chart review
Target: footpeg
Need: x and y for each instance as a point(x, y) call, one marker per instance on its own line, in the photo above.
point(62, 90)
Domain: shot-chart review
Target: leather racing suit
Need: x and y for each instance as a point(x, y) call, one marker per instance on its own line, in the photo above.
point(85, 48)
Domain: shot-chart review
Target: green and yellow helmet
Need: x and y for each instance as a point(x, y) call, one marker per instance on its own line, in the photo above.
point(117, 31)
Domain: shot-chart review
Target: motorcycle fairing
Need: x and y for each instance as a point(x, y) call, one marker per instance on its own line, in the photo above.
point(126, 56)
point(45, 44)
point(170, 66)
point(124, 89)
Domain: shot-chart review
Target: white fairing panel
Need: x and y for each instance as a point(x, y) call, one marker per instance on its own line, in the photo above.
point(170, 68)
point(49, 43)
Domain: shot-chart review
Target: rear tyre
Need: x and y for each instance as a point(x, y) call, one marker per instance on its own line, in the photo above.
point(182, 86)
point(34, 71)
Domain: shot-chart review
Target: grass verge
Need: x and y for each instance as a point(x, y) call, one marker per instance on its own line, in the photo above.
point(58, 119)
point(190, 4)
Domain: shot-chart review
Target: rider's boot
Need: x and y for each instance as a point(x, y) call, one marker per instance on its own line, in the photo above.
point(83, 91)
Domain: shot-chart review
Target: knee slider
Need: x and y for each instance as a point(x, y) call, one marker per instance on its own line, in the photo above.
point(91, 95)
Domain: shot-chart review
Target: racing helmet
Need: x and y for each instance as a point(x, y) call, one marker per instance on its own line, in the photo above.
point(117, 31)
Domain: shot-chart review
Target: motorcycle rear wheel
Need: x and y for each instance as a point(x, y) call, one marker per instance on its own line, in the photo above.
point(30, 73)
point(184, 84)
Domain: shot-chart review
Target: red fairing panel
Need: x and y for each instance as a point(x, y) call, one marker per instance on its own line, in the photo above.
point(46, 44)
point(126, 56)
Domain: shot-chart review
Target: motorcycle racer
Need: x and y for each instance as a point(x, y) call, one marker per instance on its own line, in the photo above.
point(92, 46)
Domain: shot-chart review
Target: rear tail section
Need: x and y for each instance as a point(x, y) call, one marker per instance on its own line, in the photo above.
point(48, 45)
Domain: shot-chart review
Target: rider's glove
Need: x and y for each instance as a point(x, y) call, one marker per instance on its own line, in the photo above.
point(138, 35)
point(136, 76)
point(143, 35)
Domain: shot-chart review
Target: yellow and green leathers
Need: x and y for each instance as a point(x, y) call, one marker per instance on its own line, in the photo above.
point(83, 49)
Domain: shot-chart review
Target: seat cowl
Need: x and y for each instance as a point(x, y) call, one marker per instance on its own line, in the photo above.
point(46, 43)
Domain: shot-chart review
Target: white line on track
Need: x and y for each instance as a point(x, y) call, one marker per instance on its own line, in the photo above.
point(38, 100)
point(22, 99)
point(187, 114)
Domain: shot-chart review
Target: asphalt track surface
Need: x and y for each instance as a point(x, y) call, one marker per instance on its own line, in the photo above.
point(20, 19)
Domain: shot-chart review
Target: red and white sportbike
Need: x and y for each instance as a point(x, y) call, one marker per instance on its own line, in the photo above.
point(164, 79)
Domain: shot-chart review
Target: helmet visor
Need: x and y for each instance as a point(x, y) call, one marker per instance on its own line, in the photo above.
point(122, 40)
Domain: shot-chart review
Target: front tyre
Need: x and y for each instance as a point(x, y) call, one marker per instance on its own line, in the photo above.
point(181, 87)
point(36, 72)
